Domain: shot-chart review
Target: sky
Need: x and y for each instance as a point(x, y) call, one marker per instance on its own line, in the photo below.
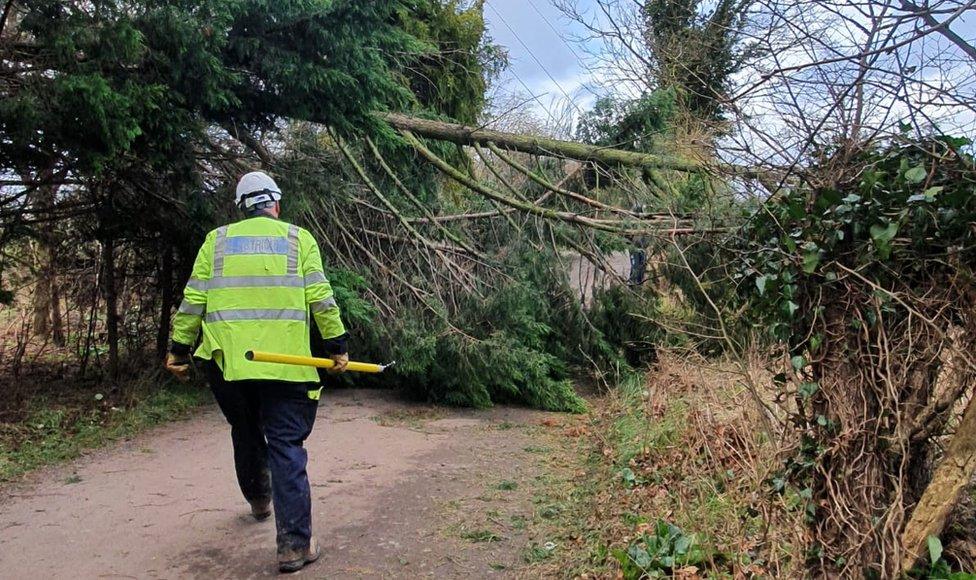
point(546, 63)
point(543, 60)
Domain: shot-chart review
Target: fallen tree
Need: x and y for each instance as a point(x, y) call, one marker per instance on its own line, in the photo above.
point(536, 145)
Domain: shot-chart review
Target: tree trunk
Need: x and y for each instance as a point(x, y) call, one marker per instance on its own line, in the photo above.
point(46, 301)
point(43, 267)
point(849, 484)
point(57, 320)
point(166, 294)
point(41, 298)
point(463, 135)
point(953, 474)
point(111, 306)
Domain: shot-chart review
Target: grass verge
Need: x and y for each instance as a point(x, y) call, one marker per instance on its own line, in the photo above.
point(55, 431)
point(676, 483)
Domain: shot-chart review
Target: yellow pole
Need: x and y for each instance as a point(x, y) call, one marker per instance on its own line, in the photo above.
point(309, 361)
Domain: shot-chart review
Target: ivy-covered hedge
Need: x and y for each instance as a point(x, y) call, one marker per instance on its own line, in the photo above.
point(866, 279)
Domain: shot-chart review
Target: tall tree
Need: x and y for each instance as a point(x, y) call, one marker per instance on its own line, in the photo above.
point(128, 105)
point(451, 76)
point(695, 50)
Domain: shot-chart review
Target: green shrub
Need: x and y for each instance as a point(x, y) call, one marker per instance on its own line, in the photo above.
point(515, 345)
point(659, 551)
point(623, 320)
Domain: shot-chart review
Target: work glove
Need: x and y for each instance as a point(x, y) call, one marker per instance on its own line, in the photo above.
point(341, 362)
point(179, 365)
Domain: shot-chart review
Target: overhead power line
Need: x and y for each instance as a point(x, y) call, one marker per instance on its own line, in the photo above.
point(565, 42)
point(537, 61)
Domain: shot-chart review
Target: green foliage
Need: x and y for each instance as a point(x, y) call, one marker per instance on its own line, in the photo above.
point(660, 551)
point(535, 553)
point(697, 47)
point(145, 65)
point(906, 218)
point(55, 434)
point(938, 568)
point(833, 273)
point(634, 124)
point(501, 348)
point(496, 352)
point(624, 320)
point(348, 288)
point(451, 76)
point(613, 335)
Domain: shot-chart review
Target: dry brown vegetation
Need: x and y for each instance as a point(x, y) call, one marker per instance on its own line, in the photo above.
point(684, 445)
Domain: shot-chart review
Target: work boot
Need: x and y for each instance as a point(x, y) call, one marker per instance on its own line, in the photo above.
point(295, 559)
point(260, 508)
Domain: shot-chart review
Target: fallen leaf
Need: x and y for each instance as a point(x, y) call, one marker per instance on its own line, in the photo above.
point(578, 431)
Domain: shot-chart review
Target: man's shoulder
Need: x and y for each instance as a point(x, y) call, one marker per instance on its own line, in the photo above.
point(213, 233)
point(305, 235)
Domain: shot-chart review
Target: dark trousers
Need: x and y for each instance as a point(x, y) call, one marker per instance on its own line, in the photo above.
point(638, 266)
point(269, 422)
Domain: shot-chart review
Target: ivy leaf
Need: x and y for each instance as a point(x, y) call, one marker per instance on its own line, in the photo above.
point(761, 284)
point(935, 548)
point(882, 236)
point(791, 307)
point(815, 341)
point(916, 174)
point(798, 362)
point(807, 390)
point(955, 142)
point(796, 209)
point(881, 233)
point(682, 544)
point(810, 261)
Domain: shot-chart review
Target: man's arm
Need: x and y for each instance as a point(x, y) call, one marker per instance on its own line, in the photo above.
point(189, 317)
point(321, 300)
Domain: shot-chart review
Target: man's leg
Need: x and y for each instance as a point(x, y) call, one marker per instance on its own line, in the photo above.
point(287, 423)
point(640, 267)
point(241, 405)
point(633, 280)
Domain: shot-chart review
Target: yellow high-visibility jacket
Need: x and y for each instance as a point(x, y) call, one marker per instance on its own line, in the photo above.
point(253, 286)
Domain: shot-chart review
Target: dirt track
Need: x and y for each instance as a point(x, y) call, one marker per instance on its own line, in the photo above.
point(395, 487)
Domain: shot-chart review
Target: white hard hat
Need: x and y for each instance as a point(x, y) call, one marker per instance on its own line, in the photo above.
point(254, 188)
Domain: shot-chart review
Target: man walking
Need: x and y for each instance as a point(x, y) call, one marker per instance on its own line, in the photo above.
point(253, 286)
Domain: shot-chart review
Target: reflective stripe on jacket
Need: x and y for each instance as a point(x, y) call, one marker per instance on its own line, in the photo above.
point(254, 286)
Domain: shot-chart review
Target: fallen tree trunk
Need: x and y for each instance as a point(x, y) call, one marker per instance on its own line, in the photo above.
point(616, 227)
point(464, 135)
